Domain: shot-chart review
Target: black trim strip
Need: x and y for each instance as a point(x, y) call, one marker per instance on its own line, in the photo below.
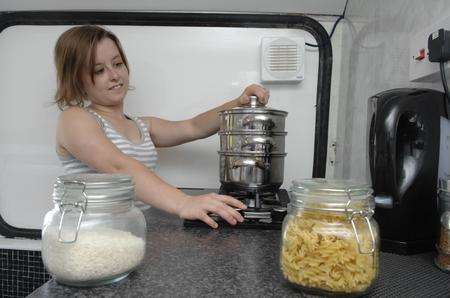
point(292, 21)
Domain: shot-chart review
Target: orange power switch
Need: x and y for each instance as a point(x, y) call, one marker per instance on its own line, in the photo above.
point(421, 55)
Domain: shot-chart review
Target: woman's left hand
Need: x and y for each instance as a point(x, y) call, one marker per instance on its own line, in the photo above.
point(254, 89)
point(201, 207)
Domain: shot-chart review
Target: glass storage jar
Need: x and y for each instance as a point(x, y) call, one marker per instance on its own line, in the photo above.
point(442, 259)
point(330, 242)
point(94, 234)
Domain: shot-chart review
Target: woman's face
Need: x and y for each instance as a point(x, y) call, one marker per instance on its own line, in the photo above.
point(110, 76)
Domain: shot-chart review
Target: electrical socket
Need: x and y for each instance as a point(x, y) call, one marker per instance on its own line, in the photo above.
point(439, 46)
point(422, 70)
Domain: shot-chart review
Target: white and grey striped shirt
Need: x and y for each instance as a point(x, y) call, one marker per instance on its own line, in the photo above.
point(144, 151)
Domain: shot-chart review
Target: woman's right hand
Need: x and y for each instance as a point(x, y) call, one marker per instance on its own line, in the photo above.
point(261, 93)
point(198, 207)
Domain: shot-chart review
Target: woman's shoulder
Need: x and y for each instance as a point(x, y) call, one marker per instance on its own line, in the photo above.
point(75, 110)
point(146, 120)
point(76, 116)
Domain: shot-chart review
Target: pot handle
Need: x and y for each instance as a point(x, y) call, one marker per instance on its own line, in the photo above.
point(254, 102)
point(250, 119)
point(249, 162)
point(264, 140)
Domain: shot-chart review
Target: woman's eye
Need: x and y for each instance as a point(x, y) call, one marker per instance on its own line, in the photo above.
point(99, 71)
point(118, 64)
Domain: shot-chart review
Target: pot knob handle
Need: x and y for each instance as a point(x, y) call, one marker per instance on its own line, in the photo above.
point(254, 103)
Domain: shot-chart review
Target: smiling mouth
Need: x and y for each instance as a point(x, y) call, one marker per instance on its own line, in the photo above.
point(116, 86)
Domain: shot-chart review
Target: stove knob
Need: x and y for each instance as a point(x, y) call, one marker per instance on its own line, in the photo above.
point(278, 214)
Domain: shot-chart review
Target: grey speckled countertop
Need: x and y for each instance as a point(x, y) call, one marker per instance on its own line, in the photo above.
point(201, 262)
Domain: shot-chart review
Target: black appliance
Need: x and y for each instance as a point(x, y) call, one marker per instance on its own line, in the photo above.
point(265, 209)
point(404, 134)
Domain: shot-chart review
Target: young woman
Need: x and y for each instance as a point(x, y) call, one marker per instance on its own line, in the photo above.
point(92, 67)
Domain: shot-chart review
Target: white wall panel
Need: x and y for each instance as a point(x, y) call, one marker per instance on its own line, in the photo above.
point(177, 73)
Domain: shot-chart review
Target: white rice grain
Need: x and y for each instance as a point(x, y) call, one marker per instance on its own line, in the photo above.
point(96, 255)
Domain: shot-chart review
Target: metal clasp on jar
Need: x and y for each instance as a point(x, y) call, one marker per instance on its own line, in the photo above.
point(360, 213)
point(68, 203)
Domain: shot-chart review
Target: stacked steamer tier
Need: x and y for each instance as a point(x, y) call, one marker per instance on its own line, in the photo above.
point(252, 142)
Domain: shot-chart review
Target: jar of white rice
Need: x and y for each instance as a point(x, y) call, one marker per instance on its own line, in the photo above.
point(94, 235)
point(330, 242)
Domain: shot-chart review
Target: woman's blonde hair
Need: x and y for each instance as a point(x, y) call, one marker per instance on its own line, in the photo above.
point(75, 50)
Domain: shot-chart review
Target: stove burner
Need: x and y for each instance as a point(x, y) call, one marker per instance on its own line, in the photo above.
point(254, 198)
point(256, 213)
point(265, 210)
point(271, 199)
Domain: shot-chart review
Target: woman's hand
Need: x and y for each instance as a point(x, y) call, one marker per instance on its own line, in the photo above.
point(254, 89)
point(198, 207)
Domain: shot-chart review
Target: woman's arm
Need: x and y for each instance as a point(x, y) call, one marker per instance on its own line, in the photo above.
point(166, 133)
point(80, 134)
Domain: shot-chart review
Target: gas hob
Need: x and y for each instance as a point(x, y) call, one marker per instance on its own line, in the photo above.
point(265, 210)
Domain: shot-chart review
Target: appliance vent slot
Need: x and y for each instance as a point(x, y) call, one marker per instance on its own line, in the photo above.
point(282, 59)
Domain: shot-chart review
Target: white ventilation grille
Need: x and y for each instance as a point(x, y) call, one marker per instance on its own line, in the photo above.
point(282, 59)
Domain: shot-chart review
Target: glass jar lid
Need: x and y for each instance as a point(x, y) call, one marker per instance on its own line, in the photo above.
point(331, 195)
point(96, 188)
point(74, 193)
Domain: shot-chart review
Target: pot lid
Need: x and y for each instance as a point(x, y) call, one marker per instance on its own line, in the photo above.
point(255, 107)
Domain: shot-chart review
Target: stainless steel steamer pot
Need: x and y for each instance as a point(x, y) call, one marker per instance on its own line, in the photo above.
point(251, 171)
point(253, 118)
point(252, 147)
point(253, 141)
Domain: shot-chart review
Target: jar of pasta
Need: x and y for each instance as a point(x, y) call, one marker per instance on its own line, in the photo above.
point(94, 235)
point(330, 242)
point(442, 259)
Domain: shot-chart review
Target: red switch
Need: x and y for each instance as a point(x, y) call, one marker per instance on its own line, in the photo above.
point(421, 55)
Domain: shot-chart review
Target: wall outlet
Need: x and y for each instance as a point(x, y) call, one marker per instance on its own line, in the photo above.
point(332, 150)
point(439, 46)
point(420, 68)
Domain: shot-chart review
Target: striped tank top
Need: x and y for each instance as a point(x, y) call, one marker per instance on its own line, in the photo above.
point(144, 151)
